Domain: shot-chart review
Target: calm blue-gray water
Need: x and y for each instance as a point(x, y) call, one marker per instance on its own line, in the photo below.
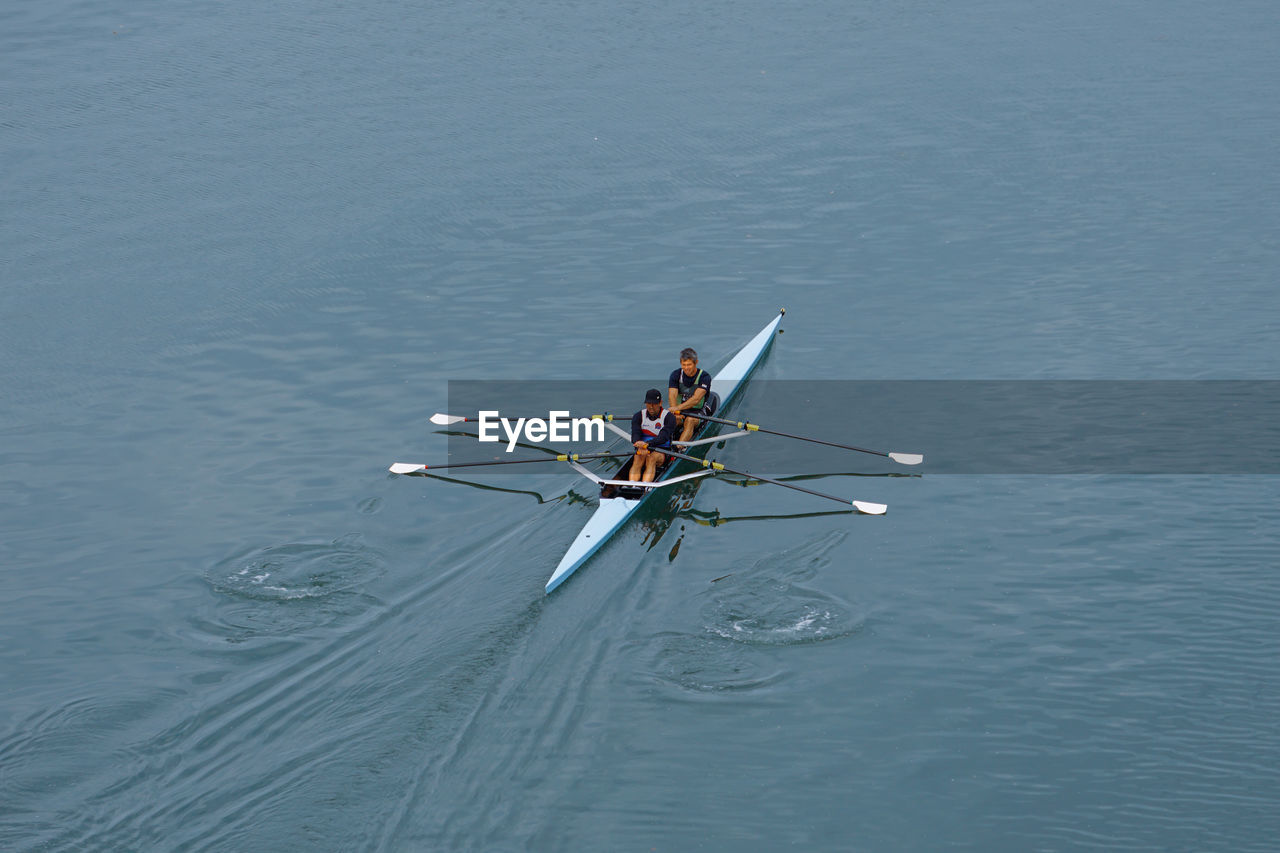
point(243, 251)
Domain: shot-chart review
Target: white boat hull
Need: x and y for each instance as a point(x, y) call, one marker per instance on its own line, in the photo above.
point(604, 522)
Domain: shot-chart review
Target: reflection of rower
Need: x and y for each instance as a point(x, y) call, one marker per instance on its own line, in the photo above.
point(651, 427)
point(689, 390)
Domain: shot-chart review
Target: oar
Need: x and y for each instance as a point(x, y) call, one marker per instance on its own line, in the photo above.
point(411, 468)
point(903, 458)
point(860, 506)
point(441, 419)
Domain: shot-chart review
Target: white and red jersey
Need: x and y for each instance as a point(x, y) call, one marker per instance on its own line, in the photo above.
point(655, 431)
point(652, 427)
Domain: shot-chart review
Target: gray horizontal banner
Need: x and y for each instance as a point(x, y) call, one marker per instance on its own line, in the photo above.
point(961, 427)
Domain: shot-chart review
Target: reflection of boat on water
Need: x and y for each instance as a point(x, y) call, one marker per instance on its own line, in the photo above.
point(681, 504)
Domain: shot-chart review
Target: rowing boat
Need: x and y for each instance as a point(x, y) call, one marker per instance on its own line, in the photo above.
point(619, 501)
point(620, 498)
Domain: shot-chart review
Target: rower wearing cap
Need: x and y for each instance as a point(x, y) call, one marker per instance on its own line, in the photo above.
point(689, 390)
point(651, 427)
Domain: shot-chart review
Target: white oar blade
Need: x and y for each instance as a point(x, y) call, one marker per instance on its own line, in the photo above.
point(907, 458)
point(440, 419)
point(869, 508)
point(406, 468)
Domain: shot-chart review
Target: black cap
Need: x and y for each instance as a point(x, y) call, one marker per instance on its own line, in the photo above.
point(653, 395)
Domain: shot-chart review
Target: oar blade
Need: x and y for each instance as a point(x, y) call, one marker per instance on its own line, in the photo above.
point(907, 458)
point(406, 468)
point(869, 508)
point(441, 419)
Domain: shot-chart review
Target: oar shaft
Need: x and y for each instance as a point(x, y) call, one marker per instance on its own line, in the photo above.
point(790, 486)
point(442, 419)
point(482, 464)
point(757, 428)
point(562, 457)
point(719, 467)
point(901, 458)
point(822, 441)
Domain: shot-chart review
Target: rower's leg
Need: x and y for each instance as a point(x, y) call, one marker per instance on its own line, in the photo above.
point(637, 468)
point(690, 425)
point(651, 467)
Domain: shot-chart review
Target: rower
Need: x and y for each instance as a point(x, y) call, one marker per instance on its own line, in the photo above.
point(651, 427)
point(689, 390)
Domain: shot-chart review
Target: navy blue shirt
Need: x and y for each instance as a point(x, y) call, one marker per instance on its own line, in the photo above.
point(664, 436)
point(686, 385)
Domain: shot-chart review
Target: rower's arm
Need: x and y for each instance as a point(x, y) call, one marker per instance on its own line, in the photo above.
point(694, 402)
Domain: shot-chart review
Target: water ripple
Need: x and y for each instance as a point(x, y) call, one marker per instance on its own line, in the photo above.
point(711, 665)
point(769, 605)
point(298, 570)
